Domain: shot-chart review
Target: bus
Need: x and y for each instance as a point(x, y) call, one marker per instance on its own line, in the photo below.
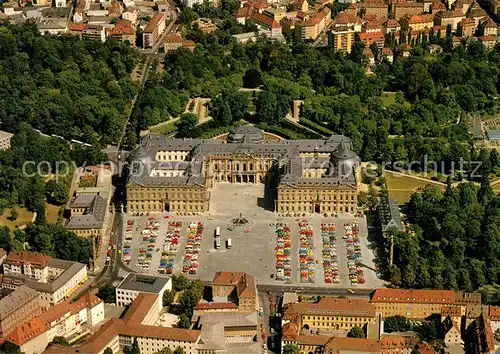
point(217, 242)
point(217, 231)
point(229, 243)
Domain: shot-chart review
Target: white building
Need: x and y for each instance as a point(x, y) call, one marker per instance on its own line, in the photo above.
point(64, 320)
point(134, 284)
point(5, 138)
point(54, 279)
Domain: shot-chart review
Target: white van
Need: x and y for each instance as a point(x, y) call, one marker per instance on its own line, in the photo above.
point(146, 232)
point(229, 244)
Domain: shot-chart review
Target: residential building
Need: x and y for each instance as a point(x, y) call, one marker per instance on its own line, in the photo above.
point(411, 303)
point(19, 306)
point(314, 25)
point(174, 41)
point(267, 23)
point(488, 41)
point(342, 38)
point(482, 335)
point(377, 8)
point(138, 324)
point(466, 28)
point(54, 279)
point(391, 26)
point(407, 8)
point(153, 30)
point(63, 320)
point(205, 25)
point(437, 6)
point(371, 26)
point(338, 345)
point(451, 331)
point(487, 27)
point(331, 314)
point(368, 54)
point(94, 32)
point(477, 13)
point(191, 3)
point(242, 13)
point(300, 189)
point(134, 284)
point(416, 22)
point(124, 31)
point(449, 18)
point(387, 54)
point(494, 316)
point(398, 343)
point(348, 20)
point(237, 287)
point(370, 38)
point(462, 5)
point(131, 14)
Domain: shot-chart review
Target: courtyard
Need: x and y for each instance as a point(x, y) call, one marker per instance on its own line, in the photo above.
point(253, 243)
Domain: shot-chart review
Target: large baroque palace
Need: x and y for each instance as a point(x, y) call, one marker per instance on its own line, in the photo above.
point(177, 175)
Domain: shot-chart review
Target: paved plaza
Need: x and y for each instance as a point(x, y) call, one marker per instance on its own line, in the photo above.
point(253, 245)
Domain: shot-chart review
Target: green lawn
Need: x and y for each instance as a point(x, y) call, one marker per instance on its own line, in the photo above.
point(389, 98)
point(25, 216)
point(52, 213)
point(166, 129)
point(402, 187)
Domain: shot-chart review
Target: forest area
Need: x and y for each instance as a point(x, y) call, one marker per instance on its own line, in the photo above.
point(78, 89)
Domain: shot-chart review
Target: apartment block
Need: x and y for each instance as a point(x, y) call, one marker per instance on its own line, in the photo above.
point(63, 320)
point(134, 284)
point(153, 30)
point(342, 39)
point(138, 324)
point(19, 306)
point(54, 279)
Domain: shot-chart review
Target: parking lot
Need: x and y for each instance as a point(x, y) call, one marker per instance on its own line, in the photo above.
point(253, 245)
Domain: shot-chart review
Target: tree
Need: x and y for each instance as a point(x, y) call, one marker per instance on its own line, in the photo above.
point(179, 350)
point(184, 321)
point(396, 324)
point(107, 293)
point(56, 192)
point(14, 214)
point(186, 124)
point(110, 351)
point(133, 349)
point(252, 78)
point(179, 283)
point(427, 331)
point(5, 240)
point(356, 332)
point(168, 298)
point(165, 350)
point(291, 349)
point(60, 340)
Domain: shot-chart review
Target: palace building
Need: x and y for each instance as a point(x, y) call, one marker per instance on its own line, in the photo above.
point(310, 176)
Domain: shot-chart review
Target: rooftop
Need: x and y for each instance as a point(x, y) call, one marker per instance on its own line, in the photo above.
point(5, 135)
point(33, 258)
point(154, 23)
point(413, 296)
point(15, 300)
point(143, 283)
point(332, 307)
point(244, 283)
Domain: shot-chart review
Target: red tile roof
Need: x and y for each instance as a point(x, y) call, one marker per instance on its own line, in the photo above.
point(390, 342)
point(452, 311)
point(415, 19)
point(424, 348)
point(33, 258)
point(413, 296)
point(173, 38)
point(367, 52)
point(27, 332)
point(386, 51)
point(245, 283)
point(494, 312)
point(390, 23)
point(139, 308)
point(372, 37)
point(78, 27)
point(123, 27)
point(243, 12)
point(338, 344)
point(264, 20)
point(154, 23)
point(216, 306)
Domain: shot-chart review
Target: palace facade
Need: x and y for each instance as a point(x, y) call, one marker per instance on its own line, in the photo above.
point(176, 175)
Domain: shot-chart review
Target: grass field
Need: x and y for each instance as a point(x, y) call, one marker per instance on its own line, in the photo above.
point(402, 187)
point(26, 216)
point(166, 129)
point(389, 98)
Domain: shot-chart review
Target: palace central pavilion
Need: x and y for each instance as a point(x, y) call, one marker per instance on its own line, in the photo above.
point(308, 176)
